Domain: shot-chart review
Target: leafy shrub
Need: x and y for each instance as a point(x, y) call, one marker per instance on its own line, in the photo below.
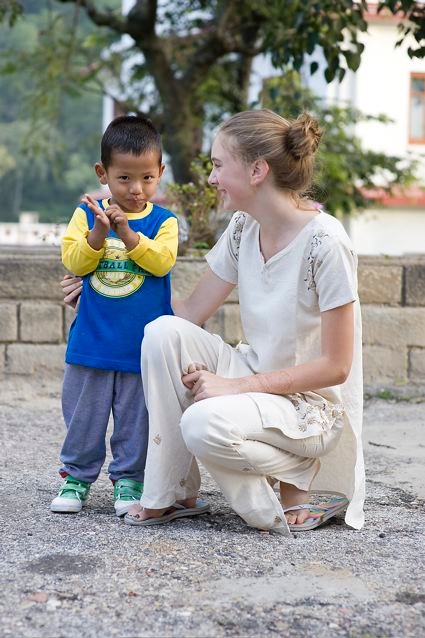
point(198, 204)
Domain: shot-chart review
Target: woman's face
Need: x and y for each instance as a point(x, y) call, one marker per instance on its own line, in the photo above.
point(229, 175)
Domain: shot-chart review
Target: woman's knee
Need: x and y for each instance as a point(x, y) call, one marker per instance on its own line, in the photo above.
point(317, 446)
point(198, 426)
point(160, 327)
point(160, 333)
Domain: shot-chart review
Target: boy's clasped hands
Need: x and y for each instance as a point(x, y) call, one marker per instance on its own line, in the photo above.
point(112, 218)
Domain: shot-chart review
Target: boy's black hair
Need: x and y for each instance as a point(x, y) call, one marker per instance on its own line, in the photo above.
point(129, 134)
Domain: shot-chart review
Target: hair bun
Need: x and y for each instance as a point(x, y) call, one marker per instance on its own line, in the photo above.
point(302, 137)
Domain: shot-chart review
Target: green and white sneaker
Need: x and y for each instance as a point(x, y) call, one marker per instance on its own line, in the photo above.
point(72, 496)
point(126, 493)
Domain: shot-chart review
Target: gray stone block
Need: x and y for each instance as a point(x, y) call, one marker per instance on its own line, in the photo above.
point(394, 328)
point(226, 322)
point(41, 322)
point(31, 275)
point(215, 324)
point(8, 322)
point(417, 365)
point(415, 285)
point(380, 284)
point(186, 274)
point(44, 360)
point(384, 366)
point(233, 332)
point(2, 359)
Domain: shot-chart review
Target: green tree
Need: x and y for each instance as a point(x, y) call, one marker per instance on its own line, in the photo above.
point(192, 57)
point(7, 163)
point(49, 158)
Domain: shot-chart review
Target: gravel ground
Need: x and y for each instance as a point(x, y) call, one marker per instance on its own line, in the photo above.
point(89, 575)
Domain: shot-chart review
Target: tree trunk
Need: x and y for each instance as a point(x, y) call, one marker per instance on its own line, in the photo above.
point(182, 138)
point(17, 195)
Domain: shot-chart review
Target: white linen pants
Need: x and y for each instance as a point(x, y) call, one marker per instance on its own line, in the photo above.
point(225, 433)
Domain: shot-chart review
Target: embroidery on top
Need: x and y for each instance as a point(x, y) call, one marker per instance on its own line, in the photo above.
point(321, 413)
point(316, 242)
point(238, 225)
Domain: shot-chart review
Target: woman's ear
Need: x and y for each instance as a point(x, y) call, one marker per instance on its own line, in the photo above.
point(101, 173)
point(259, 171)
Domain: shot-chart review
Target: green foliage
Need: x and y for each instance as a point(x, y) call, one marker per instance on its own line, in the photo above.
point(10, 10)
point(50, 156)
point(295, 29)
point(197, 202)
point(7, 162)
point(187, 62)
point(414, 23)
point(51, 56)
point(345, 168)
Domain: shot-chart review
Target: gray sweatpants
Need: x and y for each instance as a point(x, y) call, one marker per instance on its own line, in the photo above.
point(88, 397)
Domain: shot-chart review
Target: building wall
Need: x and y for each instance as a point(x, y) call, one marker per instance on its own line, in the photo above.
point(392, 91)
point(34, 322)
point(391, 231)
point(381, 85)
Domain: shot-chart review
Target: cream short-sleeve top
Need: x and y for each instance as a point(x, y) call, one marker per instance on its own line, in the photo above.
point(280, 303)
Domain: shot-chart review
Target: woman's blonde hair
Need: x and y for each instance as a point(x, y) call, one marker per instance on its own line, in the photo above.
point(288, 146)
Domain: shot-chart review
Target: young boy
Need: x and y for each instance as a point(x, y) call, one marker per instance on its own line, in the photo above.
point(123, 248)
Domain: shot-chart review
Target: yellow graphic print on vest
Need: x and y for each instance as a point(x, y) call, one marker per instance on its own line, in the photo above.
point(116, 274)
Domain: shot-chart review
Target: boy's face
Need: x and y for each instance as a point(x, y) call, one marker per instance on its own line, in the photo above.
point(132, 179)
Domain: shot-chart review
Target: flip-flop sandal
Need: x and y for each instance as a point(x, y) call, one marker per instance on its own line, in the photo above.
point(175, 511)
point(320, 512)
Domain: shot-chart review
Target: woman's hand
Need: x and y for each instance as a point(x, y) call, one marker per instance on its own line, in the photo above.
point(204, 384)
point(72, 287)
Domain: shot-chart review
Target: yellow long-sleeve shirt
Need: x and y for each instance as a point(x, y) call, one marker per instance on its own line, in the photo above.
point(157, 255)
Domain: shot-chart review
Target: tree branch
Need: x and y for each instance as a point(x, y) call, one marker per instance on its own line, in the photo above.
point(101, 18)
point(140, 25)
point(141, 19)
point(234, 32)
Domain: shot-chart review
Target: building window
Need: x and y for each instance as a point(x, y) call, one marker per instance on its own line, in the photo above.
point(417, 108)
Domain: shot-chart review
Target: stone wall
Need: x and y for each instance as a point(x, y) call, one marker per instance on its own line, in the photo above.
point(34, 321)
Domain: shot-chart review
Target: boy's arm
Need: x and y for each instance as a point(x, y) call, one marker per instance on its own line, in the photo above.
point(158, 255)
point(77, 255)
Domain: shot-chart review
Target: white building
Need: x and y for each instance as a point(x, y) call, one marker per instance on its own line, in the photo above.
point(29, 232)
point(387, 82)
point(390, 82)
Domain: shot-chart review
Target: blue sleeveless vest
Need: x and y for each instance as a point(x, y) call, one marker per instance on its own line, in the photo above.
point(118, 299)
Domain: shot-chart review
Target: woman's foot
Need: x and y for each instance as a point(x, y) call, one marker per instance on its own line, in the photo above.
point(143, 513)
point(291, 495)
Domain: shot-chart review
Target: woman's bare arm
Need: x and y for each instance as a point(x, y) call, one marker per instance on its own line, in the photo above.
point(331, 368)
point(208, 295)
